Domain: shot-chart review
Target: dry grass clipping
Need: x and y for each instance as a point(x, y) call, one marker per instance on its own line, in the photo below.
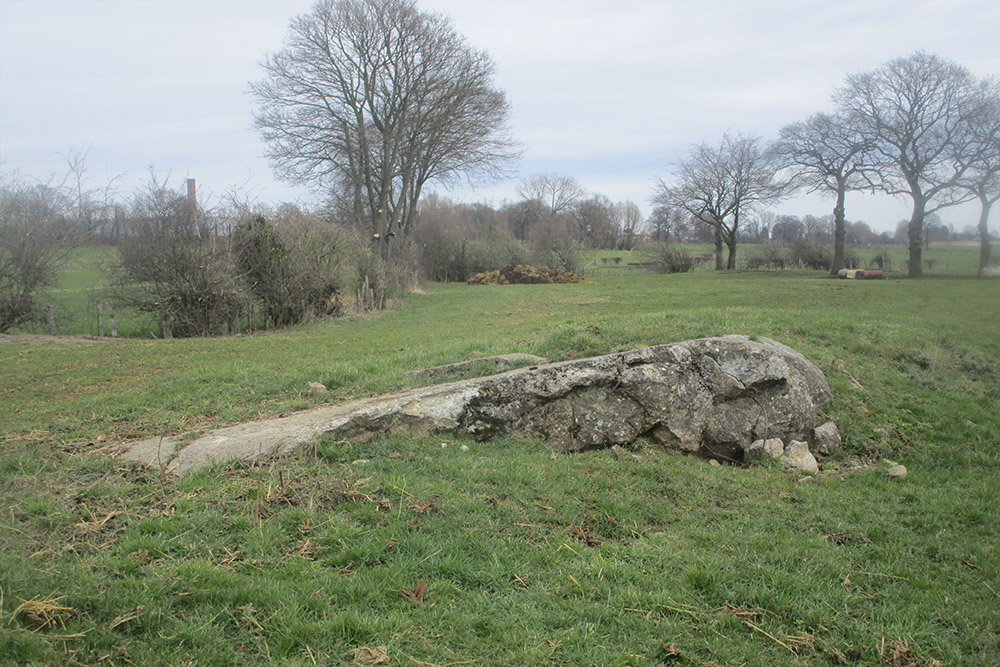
point(897, 652)
point(370, 655)
point(45, 613)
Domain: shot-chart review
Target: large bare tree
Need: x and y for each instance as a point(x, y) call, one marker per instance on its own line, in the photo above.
point(718, 185)
point(917, 110)
point(372, 99)
point(828, 153)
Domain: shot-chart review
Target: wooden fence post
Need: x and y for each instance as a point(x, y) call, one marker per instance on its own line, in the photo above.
point(111, 317)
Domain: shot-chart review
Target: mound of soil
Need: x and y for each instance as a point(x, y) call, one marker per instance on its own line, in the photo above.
point(523, 274)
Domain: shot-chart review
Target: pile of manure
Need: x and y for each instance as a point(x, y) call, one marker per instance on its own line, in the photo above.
point(523, 274)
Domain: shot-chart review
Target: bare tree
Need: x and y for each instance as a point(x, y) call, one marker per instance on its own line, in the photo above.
point(372, 99)
point(758, 227)
point(549, 215)
point(596, 222)
point(827, 153)
point(665, 221)
point(557, 193)
point(787, 229)
point(719, 185)
point(917, 110)
point(630, 223)
point(524, 216)
point(983, 176)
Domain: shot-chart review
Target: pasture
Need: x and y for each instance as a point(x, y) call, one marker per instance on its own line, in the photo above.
point(442, 551)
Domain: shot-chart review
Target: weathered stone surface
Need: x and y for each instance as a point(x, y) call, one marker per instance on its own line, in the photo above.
point(499, 362)
point(826, 439)
point(798, 457)
point(765, 450)
point(712, 396)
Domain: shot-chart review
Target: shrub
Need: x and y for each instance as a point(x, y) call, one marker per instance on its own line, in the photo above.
point(811, 256)
point(445, 256)
point(168, 268)
point(31, 250)
point(500, 250)
point(673, 260)
point(767, 257)
point(554, 246)
point(293, 266)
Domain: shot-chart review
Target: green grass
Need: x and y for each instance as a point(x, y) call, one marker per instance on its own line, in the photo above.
point(82, 283)
point(527, 558)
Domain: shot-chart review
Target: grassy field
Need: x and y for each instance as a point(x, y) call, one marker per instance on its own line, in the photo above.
point(85, 281)
point(417, 552)
point(940, 259)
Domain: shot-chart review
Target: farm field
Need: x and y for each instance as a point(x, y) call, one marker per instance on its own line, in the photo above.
point(419, 552)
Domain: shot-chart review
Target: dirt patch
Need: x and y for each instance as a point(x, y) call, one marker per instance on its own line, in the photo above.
point(44, 338)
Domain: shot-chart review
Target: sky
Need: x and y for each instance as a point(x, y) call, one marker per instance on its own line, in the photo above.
point(610, 93)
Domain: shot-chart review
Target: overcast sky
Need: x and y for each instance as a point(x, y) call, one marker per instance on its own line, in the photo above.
point(610, 93)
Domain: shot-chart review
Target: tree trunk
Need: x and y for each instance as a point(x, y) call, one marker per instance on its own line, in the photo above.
point(718, 247)
point(984, 234)
point(731, 243)
point(839, 232)
point(916, 237)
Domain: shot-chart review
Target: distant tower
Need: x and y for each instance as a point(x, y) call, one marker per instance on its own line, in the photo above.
point(192, 199)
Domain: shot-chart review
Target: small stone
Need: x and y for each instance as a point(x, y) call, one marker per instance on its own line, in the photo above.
point(359, 462)
point(798, 457)
point(826, 439)
point(465, 448)
point(897, 471)
point(315, 388)
point(765, 450)
point(714, 462)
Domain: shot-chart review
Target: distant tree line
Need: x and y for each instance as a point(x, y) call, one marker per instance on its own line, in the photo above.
point(552, 225)
point(370, 101)
point(920, 127)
